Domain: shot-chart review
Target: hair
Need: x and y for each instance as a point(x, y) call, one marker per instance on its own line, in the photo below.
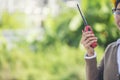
point(116, 4)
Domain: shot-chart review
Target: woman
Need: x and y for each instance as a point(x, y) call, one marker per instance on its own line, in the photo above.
point(109, 68)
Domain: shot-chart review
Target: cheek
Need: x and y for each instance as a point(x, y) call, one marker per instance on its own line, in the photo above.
point(117, 21)
point(117, 18)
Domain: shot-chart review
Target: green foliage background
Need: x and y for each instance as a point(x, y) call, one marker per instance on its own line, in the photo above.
point(58, 56)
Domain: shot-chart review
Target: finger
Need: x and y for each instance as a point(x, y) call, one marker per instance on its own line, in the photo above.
point(82, 31)
point(91, 42)
point(86, 36)
point(82, 39)
point(86, 33)
point(87, 43)
point(91, 39)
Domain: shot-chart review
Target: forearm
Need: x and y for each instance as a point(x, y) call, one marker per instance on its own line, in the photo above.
point(91, 69)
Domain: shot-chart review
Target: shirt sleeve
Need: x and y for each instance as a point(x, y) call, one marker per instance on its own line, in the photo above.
point(94, 56)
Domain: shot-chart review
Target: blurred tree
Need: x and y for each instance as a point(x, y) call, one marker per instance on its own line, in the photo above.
point(13, 20)
point(67, 26)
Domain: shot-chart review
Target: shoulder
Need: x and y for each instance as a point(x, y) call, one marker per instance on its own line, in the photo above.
point(110, 47)
point(113, 44)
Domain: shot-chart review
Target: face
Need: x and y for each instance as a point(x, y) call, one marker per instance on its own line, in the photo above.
point(117, 16)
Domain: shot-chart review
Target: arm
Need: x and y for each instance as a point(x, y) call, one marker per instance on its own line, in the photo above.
point(94, 72)
point(91, 64)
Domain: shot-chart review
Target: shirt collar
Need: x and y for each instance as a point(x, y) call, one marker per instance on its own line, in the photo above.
point(118, 42)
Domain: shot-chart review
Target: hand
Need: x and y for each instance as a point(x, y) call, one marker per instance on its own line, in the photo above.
point(87, 39)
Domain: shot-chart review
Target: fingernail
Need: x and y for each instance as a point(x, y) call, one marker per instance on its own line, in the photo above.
point(82, 31)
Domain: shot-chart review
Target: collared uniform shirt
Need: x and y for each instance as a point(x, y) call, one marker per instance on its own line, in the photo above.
point(118, 55)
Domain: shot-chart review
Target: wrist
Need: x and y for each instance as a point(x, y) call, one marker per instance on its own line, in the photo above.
point(90, 57)
point(90, 53)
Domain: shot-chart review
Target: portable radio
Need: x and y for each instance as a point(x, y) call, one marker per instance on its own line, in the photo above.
point(87, 27)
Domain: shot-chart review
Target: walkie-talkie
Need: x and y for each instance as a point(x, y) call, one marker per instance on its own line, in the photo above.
point(87, 27)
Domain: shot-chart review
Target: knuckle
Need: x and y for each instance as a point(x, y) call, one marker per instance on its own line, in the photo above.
point(85, 46)
point(91, 42)
point(81, 42)
point(87, 40)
